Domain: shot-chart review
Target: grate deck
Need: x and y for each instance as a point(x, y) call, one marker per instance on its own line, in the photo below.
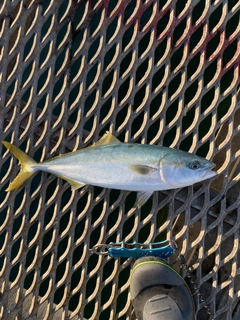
point(160, 72)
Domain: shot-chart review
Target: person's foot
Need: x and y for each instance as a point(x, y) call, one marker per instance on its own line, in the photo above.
point(159, 292)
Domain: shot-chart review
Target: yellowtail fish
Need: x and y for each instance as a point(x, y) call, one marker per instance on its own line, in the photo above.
point(110, 163)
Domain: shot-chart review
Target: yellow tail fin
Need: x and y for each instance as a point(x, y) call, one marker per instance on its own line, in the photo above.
point(26, 166)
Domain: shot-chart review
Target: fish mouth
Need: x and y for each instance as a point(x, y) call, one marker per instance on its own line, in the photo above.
point(207, 172)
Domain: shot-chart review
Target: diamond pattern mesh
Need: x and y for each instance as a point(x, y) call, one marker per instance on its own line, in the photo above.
point(160, 72)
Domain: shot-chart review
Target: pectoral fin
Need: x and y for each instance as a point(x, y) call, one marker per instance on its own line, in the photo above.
point(142, 197)
point(142, 169)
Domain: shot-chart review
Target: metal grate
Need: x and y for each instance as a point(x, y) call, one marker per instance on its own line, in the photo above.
point(159, 72)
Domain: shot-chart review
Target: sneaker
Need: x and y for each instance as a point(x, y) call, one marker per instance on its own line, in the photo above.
point(159, 292)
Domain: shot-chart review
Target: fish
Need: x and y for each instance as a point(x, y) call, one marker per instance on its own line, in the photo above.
point(110, 163)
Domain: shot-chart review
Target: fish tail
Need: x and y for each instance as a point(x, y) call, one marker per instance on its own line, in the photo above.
point(26, 166)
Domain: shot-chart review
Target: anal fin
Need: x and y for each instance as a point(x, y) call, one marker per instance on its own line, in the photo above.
point(75, 185)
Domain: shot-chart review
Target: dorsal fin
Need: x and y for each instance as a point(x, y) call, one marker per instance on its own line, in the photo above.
point(107, 138)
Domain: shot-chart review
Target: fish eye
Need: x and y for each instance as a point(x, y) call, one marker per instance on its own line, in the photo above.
point(194, 165)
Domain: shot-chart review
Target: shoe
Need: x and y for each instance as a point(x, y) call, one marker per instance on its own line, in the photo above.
point(158, 292)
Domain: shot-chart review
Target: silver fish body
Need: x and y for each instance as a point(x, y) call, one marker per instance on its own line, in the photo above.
point(126, 166)
point(116, 166)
